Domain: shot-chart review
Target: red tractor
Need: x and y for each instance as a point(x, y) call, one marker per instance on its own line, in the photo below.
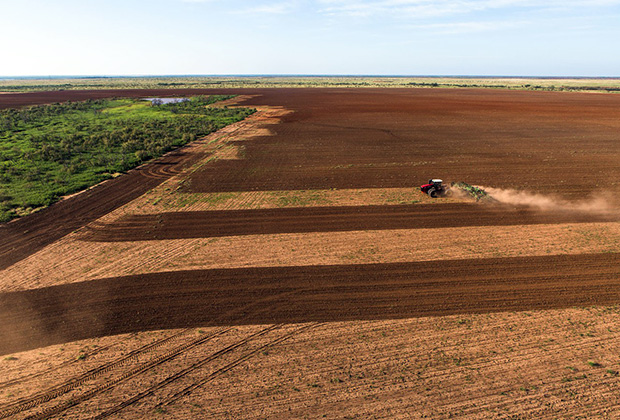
point(434, 188)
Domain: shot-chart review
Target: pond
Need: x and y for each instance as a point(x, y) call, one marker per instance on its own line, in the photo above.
point(163, 101)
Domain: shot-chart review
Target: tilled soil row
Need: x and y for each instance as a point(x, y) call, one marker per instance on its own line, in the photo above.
point(248, 296)
point(204, 224)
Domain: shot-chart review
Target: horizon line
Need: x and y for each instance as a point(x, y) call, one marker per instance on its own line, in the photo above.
point(275, 75)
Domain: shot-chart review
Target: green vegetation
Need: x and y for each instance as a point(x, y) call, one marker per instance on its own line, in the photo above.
point(52, 150)
point(472, 191)
point(202, 82)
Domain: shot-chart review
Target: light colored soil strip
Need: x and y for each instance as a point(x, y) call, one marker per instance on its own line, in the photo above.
point(160, 200)
point(538, 364)
point(71, 260)
point(166, 198)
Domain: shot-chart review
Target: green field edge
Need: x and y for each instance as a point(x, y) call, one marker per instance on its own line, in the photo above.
point(49, 152)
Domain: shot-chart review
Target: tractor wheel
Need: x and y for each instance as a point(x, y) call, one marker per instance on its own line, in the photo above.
point(433, 192)
point(447, 193)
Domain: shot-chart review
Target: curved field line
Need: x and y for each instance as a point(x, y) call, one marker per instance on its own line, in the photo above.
point(185, 371)
point(188, 390)
point(30, 402)
point(127, 375)
point(160, 171)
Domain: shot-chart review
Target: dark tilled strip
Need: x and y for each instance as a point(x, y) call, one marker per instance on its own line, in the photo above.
point(242, 296)
point(204, 224)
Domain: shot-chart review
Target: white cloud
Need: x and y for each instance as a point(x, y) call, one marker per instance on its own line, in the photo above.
point(434, 8)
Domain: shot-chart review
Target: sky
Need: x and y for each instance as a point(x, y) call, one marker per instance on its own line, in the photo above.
point(311, 37)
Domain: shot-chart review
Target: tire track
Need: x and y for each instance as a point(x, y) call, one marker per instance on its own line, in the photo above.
point(54, 368)
point(74, 382)
point(32, 401)
point(189, 369)
point(27, 235)
point(130, 374)
point(188, 390)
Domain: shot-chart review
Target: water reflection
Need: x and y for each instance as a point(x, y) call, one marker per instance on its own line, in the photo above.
point(163, 101)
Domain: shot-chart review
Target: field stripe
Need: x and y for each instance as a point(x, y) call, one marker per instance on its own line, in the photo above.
point(203, 224)
point(248, 296)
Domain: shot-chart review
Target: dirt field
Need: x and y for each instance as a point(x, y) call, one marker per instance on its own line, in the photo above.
point(182, 225)
point(285, 267)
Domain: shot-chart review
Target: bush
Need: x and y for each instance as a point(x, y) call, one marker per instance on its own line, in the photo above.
point(51, 150)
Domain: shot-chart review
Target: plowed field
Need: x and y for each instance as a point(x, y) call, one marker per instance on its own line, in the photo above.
point(548, 143)
point(287, 267)
point(181, 225)
point(303, 294)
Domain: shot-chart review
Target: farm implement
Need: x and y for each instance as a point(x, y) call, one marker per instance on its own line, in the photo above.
point(435, 188)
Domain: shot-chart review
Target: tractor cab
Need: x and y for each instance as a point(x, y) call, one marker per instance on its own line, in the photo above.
point(434, 188)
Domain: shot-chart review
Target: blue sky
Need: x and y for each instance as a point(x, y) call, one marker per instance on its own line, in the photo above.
point(352, 37)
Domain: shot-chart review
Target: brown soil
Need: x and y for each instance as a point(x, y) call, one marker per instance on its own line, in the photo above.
point(295, 335)
point(180, 225)
point(541, 142)
point(301, 294)
point(71, 260)
point(347, 138)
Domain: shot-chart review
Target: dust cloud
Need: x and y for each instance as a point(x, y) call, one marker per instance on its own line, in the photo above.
point(600, 204)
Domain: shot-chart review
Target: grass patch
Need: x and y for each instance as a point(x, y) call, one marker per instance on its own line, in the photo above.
point(218, 198)
point(301, 198)
point(50, 151)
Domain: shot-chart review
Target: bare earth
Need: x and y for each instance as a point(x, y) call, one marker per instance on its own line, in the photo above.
point(286, 267)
